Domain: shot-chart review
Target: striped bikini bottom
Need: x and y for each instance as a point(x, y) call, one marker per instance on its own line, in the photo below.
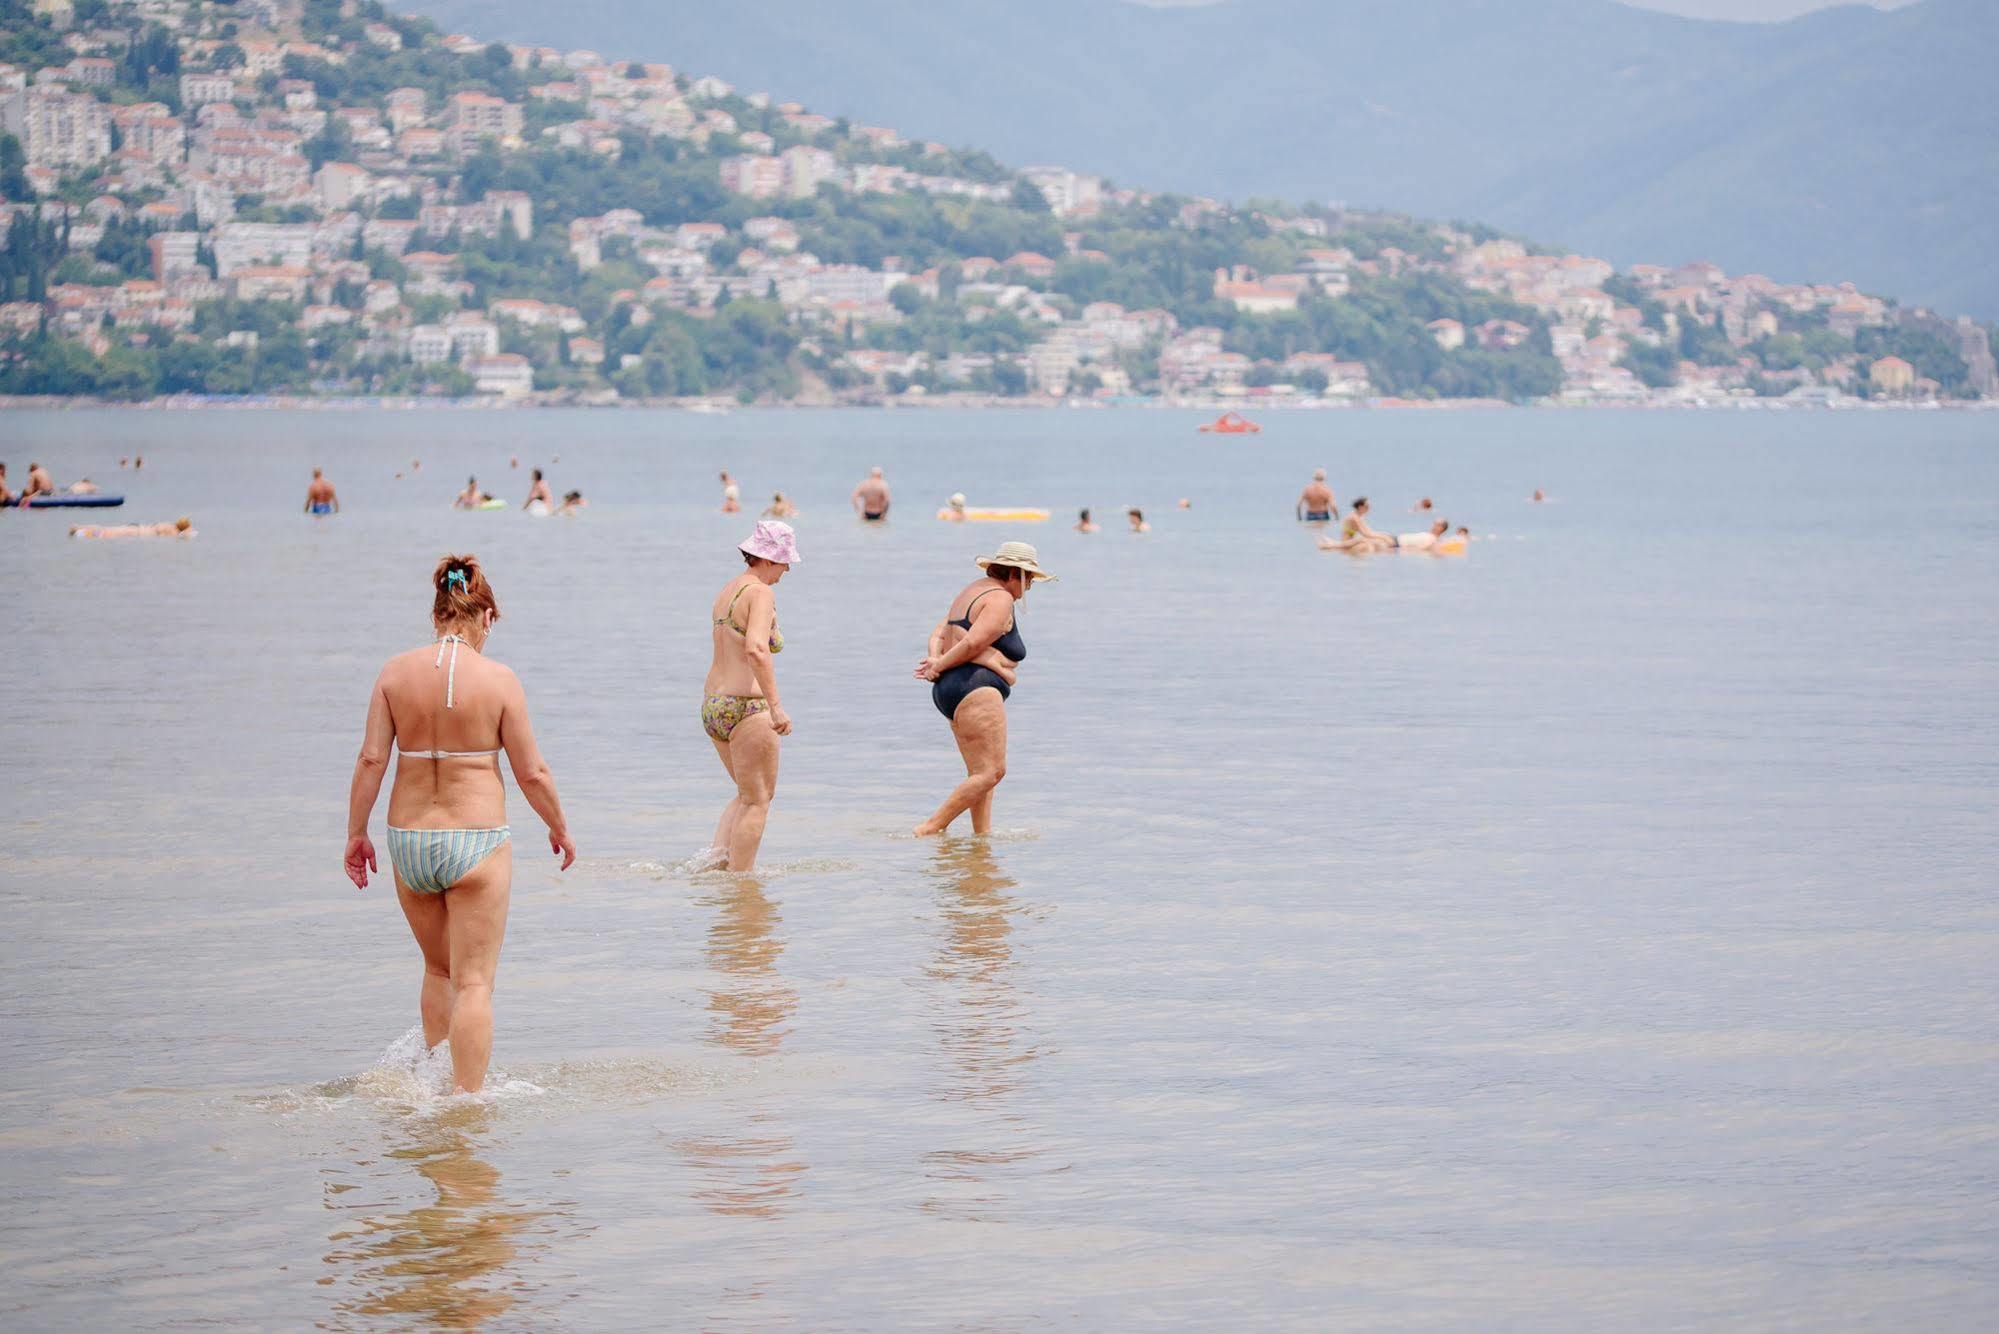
point(431, 861)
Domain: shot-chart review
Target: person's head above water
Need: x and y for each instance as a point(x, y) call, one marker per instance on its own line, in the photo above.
point(315, 471)
point(1083, 515)
point(1318, 474)
point(537, 474)
point(572, 495)
point(1360, 505)
point(464, 600)
point(1440, 527)
point(957, 500)
point(875, 473)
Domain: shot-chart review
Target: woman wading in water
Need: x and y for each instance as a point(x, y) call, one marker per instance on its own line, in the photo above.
point(448, 837)
point(975, 652)
point(739, 707)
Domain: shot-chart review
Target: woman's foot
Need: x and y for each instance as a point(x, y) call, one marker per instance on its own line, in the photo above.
point(928, 829)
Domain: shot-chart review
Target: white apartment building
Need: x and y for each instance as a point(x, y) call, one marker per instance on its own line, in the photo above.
point(240, 245)
point(429, 343)
point(200, 89)
point(1068, 193)
point(58, 128)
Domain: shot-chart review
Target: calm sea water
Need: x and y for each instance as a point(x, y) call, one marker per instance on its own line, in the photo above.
point(1597, 931)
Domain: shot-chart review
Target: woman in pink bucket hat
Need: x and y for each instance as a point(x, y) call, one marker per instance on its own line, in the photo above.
point(975, 653)
point(739, 704)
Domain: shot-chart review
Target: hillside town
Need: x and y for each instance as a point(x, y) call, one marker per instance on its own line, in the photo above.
point(322, 198)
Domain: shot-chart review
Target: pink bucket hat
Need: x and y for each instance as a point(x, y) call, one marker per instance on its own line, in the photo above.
point(773, 541)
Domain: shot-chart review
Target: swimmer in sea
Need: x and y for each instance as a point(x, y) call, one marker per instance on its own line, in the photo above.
point(871, 498)
point(1084, 523)
point(539, 494)
point(319, 496)
point(182, 527)
point(1422, 506)
point(1137, 517)
point(1316, 501)
point(730, 503)
point(954, 510)
point(780, 508)
point(6, 496)
point(973, 662)
point(468, 499)
point(1356, 536)
point(1423, 541)
point(451, 711)
point(1539, 495)
point(739, 705)
point(573, 503)
point(86, 487)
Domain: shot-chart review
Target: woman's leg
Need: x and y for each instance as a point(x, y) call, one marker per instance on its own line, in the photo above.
point(980, 727)
point(476, 919)
point(753, 748)
point(726, 829)
point(425, 914)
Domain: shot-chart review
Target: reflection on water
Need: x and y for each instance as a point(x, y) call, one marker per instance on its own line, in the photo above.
point(978, 1027)
point(454, 1262)
point(752, 1000)
point(750, 1172)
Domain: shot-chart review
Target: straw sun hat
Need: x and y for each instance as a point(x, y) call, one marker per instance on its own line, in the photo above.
point(1020, 556)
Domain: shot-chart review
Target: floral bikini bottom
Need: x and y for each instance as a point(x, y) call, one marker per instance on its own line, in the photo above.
point(721, 713)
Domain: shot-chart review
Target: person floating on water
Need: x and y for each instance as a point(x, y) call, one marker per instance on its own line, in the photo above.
point(740, 711)
point(1137, 518)
point(6, 495)
point(181, 527)
point(1316, 501)
point(1356, 535)
point(539, 495)
point(449, 843)
point(973, 661)
point(319, 496)
point(84, 487)
point(1423, 541)
point(871, 499)
point(780, 508)
point(1084, 523)
point(954, 509)
point(573, 503)
point(470, 498)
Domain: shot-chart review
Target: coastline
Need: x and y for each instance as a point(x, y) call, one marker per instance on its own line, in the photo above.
point(950, 403)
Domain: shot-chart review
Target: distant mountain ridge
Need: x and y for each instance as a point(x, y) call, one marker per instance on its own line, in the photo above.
point(1848, 144)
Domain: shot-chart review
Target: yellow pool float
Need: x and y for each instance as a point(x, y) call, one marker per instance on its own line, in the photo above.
point(995, 515)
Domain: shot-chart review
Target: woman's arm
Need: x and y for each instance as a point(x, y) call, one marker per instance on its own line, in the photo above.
point(378, 738)
point(531, 772)
point(989, 622)
point(758, 622)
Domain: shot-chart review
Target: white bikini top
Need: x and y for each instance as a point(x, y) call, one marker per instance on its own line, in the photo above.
point(450, 677)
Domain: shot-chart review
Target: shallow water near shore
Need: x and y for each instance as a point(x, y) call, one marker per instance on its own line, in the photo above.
point(1594, 931)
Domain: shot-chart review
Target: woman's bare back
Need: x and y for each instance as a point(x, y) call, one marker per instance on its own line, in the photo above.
point(459, 791)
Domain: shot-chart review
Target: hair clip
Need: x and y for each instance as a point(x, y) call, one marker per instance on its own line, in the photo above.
point(455, 577)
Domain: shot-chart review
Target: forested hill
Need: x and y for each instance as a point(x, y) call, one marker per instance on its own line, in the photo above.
point(1848, 144)
point(311, 197)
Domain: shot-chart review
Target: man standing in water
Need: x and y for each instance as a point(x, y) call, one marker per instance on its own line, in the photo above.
point(871, 497)
point(319, 496)
point(1315, 502)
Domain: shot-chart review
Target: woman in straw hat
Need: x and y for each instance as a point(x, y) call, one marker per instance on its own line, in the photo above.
point(739, 705)
point(975, 652)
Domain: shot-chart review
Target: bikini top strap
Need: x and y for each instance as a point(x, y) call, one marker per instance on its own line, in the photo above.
point(728, 616)
point(451, 674)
